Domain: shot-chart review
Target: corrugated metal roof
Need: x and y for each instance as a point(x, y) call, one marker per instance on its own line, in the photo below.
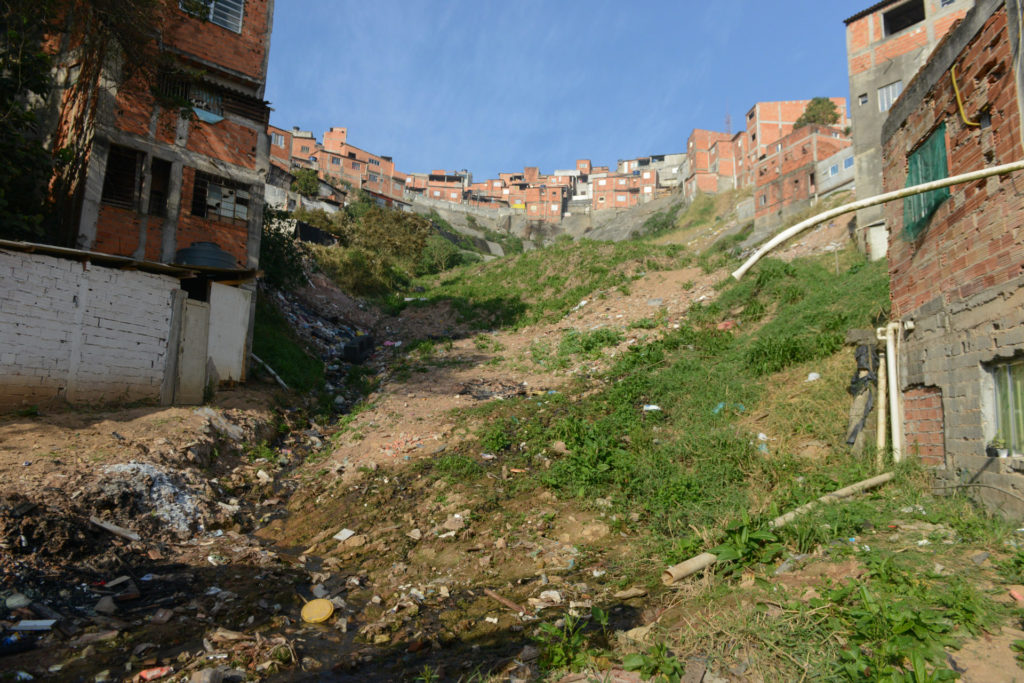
point(128, 263)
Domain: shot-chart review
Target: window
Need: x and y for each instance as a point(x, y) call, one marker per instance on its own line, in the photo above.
point(225, 13)
point(496, 183)
point(600, 199)
point(206, 99)
point(437, 193)
point(902, 17)
point(1009, 385)
point(927, 162)
point(622, 181)
point(554, 207)
point(862, 99)
point(122, 181)
point(764, 199)
point(533, 207)
point(453, 195)
point(304, 148)
point(336, 161)
point(647, 175)
point(159, 184)
point(833, 170)
point(887, 94)
point(848, 162)
point(277, 139)
point(601, 183)
point(647, 189)
point(220, 199)
point(620, 197)
point(946, 3)
point(355, 166)
point(373, 177)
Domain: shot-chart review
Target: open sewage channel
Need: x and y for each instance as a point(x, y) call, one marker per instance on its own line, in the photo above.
point(148, 571)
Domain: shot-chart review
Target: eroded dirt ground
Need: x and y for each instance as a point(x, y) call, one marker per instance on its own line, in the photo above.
point(228, 518)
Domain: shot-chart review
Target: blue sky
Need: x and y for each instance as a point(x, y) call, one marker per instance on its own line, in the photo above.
point(490, 86)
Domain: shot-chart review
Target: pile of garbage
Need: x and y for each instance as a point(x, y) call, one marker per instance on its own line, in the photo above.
point(339, 344)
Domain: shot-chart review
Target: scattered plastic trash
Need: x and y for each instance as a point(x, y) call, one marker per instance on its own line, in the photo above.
point(156, 673)
point(812, 377)
point(491, 620)
point(761, 436)
point(317, 611)
point(650, 408)
point(344, 535)
point(578, 306)
point(34, 625)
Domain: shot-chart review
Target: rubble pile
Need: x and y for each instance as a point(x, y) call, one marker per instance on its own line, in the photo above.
point(339, 344)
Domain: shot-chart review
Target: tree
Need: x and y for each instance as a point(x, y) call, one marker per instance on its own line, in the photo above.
point(307, 182)
point(820, 110)
point(89, 44)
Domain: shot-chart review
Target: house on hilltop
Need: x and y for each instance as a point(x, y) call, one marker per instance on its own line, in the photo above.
point(956, 256)
point(886, 44)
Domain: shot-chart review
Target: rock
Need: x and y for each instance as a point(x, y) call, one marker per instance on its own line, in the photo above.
point(207, 676)
point(319, 591)
point(102, 677)
point(415, 534)
point(356, 541)
point(629, 593)
point(636, 635)
point(501, 544)
point(559, 447)
point(454, 522)
point(263, 476)
point(17, 601)
point(979, 558)
point(551, 596)
point(106, 605)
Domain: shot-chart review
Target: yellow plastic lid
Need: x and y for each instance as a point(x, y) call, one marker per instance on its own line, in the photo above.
point(317, 611)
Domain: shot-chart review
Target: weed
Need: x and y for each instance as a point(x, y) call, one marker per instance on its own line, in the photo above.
point(746, 544)
point(656, 664)
point(455, 467)
point(563, 647)
point(27, 411)
point(276, 345)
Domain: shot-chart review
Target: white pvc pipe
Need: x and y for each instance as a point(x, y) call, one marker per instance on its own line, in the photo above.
point(896, 424)
point(872, 201)
point(880, 424)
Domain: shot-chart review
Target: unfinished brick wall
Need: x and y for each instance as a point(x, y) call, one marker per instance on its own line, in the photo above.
point(244, 52)
point(925, 427)
point(80, 332)
point(961, 281)
point(972, 242)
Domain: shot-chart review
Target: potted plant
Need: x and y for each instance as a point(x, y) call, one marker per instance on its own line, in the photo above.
point(996, 448)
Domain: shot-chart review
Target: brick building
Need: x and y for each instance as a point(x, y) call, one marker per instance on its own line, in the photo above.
point(886, 44)
point(786, 176)
point(701, 176)
point(717, 162)
point(956, 255)
point(157, 181)
point(339, 163)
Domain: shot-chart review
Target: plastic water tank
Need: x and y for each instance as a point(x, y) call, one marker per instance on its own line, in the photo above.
point(205, 254)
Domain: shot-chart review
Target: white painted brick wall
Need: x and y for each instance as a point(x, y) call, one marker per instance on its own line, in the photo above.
point(84, 334)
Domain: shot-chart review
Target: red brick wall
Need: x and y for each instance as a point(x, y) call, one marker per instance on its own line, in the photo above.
point(226, 141)
point(117, 231)
point(282, 154)
point(243, 52)
point(923, 424)
point(974, 240)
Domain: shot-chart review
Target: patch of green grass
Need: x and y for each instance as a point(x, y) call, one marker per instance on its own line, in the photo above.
point(455, 467)
point(276, 344)
point(589, 344)
point(545, 284)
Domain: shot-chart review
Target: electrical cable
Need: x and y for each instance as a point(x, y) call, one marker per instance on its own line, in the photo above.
point(960, 102)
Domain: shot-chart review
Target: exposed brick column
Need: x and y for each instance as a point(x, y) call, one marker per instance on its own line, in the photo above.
point(923, 424)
